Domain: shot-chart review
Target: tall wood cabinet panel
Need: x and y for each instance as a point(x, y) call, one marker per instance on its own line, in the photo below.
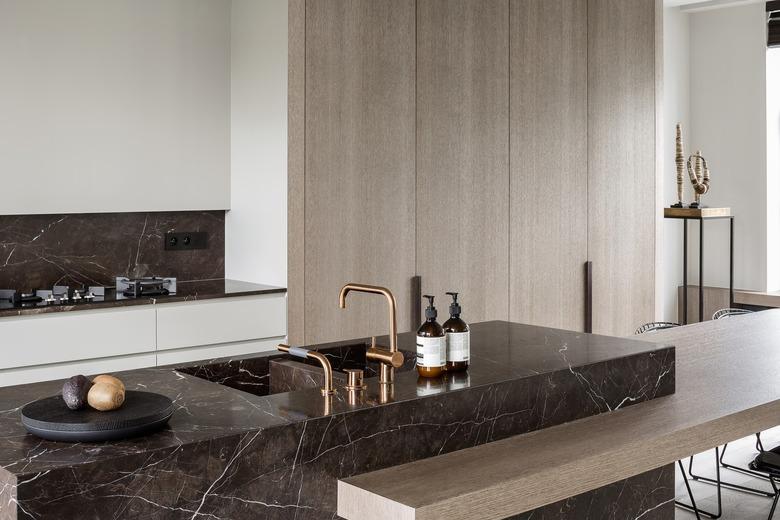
point(490, 146)
point(463, 153)
point(549, 179)
point(296, 159)
point(621, 162)
point(359, 162)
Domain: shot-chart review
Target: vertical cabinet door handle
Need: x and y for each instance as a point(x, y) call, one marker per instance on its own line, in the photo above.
point(416, 301)
point(589, 297)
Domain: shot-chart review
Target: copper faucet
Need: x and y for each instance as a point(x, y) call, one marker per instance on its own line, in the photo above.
point(388, 358)
point(313, 354)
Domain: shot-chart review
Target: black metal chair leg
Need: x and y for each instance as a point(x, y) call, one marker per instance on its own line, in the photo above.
point(746, 471)
point(730, 485)
point(716, 481)
point(692, 508)
point(777, 496)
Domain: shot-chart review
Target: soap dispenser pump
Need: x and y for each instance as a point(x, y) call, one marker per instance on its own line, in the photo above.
point(431, 344)
point(458, 337)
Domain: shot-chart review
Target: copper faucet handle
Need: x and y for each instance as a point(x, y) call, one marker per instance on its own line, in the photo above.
point(393, 359)
point(313, 354)
point(354, 379)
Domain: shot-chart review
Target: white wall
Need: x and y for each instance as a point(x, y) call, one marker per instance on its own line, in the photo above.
point(676, 97)
point(728, 124)
point(118, 105)
point(773, 168)
point(256, 226)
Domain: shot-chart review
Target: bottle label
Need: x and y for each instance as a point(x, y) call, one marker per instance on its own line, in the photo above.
point(458, 346)
point(431, 352)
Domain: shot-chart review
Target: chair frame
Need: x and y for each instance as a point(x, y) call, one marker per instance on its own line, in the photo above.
point(654, 326)
point(692, 507)
point(728, 312)
point(772, 476)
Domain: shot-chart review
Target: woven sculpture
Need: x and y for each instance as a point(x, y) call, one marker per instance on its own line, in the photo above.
point(698, 172)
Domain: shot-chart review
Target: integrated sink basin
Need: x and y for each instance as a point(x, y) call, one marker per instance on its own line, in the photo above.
point(273, 372)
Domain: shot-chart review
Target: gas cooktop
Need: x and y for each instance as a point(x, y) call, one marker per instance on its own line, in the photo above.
point(125, 288)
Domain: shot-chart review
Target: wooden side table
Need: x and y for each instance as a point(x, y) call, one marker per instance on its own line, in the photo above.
point(702, 214)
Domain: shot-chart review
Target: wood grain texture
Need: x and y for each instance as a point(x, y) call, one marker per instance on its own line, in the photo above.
point(696, 212)
point(296, 122)
point(549, 180)
point(660, 164)
point(360, 169)
point(759, 299)
point(463, 153)
point(712, 405)
point(715, 298)
point(621, 162)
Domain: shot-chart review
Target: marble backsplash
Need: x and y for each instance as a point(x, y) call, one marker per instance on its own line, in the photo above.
point(38, 251)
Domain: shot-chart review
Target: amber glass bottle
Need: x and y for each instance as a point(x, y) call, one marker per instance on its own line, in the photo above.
point(458, 338)
point(431, 344)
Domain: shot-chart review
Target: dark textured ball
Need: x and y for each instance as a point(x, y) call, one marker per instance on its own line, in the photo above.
point(74, 392)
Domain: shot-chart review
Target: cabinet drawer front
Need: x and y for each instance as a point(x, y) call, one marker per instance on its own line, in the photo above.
point(210, 352)
point(229, 320)
point(89, 367)
point(72, 336)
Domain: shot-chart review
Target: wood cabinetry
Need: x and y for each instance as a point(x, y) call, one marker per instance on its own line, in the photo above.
point(463, 153)
point(359, 162)
point(621, 162)
point(491, 147)
point(549, 181)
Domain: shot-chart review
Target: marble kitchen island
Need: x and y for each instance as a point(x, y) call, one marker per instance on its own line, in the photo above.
point(241, 445)
point(726, 389)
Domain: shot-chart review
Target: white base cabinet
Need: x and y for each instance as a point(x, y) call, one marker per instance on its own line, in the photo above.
point(189, 355)
point(20, 376)
point(59, 345)
point(229, 320)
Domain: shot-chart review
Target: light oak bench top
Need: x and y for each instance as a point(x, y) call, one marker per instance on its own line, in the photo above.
point(758, 298)
point(728, 387)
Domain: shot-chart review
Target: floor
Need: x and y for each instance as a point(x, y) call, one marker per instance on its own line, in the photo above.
point(736, 505)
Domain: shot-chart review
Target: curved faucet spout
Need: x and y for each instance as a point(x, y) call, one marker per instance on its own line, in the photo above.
point(375, 289)
point(394, 359)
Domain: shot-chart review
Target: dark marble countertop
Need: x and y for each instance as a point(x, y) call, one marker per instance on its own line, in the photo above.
point(185, 291)
point(726, 373)
point(267, 448)
point(501, 351)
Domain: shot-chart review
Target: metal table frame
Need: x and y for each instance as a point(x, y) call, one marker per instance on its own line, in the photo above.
point(701, 220)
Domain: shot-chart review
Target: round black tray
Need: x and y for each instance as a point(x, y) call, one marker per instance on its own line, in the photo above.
point(142, 413)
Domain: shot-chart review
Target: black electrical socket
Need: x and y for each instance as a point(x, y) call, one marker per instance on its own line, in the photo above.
point(186, 241)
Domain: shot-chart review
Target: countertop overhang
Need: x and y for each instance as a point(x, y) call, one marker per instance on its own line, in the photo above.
point(726, 389)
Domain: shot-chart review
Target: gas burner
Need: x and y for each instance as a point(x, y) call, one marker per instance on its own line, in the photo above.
point(20, 298)
point(145, 287)
point(66, 295)
point(58, 295)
